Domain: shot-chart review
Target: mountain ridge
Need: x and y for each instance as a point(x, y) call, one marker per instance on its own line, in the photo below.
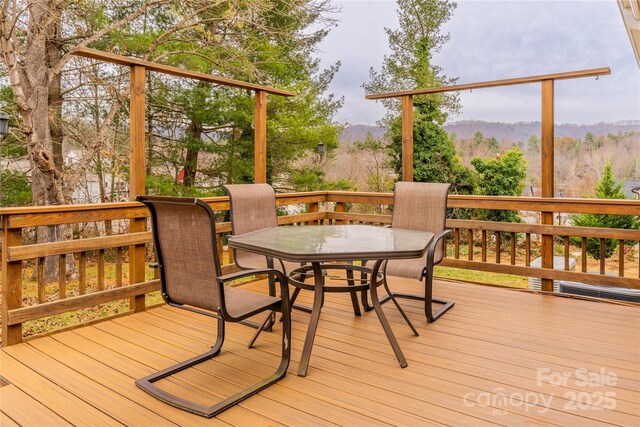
point(517, 131)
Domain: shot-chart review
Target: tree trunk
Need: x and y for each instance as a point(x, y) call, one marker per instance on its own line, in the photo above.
point(194, 133)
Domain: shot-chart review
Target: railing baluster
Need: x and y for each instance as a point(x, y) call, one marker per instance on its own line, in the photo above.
point(118, 267)
point(219, 245)
point(584, 255)
point(513, 248)
point(82, 273)
point(527, 248)
point(470, 243)
point(41, 282)
point(566, 252)
point(231, 259)
point(484, 246)
point(498, 247)
point(456, 244)
point(62, 276)
point(101, 270)
point(602, 257)
point(621, 258)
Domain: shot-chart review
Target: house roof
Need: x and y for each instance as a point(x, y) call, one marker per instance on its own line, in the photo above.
point(630, 11)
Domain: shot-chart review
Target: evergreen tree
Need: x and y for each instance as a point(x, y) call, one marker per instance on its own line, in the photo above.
point(410, 66)
point(502, 176)
point(607, 188)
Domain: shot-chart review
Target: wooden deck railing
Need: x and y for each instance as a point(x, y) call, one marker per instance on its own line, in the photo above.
point(475, 245)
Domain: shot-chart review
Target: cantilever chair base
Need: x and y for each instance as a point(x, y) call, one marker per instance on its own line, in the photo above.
point(429, 314)
point(147, 385)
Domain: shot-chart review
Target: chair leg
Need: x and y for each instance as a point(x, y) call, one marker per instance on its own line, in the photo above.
point(428, 300)
point(147, 385)
point(391, 297)
point(385, 323)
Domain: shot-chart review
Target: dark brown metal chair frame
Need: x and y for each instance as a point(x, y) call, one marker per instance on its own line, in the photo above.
point(268, 217)
point(427, 275)
point(222, 314)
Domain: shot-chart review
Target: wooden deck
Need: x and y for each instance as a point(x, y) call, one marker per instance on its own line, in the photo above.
point(498, 357)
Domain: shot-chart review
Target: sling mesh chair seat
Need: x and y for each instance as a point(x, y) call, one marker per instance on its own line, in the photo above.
point(253, 207)
point(184, 237)
point(419, 206)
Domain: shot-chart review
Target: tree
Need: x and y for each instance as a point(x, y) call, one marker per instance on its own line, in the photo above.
point(606, 188)
point(502, 176)
point(410, 66)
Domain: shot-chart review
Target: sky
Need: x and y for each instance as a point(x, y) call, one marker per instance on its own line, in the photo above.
point(492, 40)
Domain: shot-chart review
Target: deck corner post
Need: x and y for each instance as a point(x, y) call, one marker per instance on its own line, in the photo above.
point(11, 283)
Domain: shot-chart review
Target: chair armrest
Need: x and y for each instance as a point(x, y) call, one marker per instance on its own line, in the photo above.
point(432, 246)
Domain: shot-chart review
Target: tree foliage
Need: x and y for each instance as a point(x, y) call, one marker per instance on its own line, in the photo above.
point(606, 188)
point(503, 175)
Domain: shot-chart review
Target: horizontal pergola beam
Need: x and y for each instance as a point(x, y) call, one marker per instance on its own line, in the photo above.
point(174, 71)
point(493, 83)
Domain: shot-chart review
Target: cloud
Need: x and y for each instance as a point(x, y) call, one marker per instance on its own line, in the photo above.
point(496, 40)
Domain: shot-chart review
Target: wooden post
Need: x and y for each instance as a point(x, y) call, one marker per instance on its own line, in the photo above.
point(340, 208)
point(407, 138)
point(11, 283)
point(547, 184)
point(137, 176)
point(260, 138)
point(313, 208)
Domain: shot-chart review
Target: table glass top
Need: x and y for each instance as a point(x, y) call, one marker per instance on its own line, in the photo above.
point(334, 242)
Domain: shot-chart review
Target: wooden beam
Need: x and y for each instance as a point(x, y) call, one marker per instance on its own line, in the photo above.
point(547, 182)
point(407, 138)
point(137, 132)
point(260, 137)
point(493, 83)
point(174, 71)
point(137, 172)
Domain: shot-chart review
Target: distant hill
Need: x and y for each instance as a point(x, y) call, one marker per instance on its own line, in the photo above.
point(520, 131)
point(358, 133)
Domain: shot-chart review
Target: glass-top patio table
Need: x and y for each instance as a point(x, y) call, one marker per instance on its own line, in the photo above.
point(316, 245)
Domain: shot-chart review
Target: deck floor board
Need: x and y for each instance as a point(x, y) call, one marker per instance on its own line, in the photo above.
point(486, 362)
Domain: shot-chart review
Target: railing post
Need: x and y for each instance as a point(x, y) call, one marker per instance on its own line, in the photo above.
point(407, 138)
point(260, 138)
point(340, 208)
point(313, 208)
point(137, 176)
point(11, 283)
point(547, 183)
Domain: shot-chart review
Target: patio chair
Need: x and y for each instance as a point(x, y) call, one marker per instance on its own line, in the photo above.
point(419, 206)
point(184, 236)
point(253, 207)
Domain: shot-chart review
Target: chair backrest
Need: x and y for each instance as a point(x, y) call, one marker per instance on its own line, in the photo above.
point(253, 207)
point(421, 206)
point(184, 236)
